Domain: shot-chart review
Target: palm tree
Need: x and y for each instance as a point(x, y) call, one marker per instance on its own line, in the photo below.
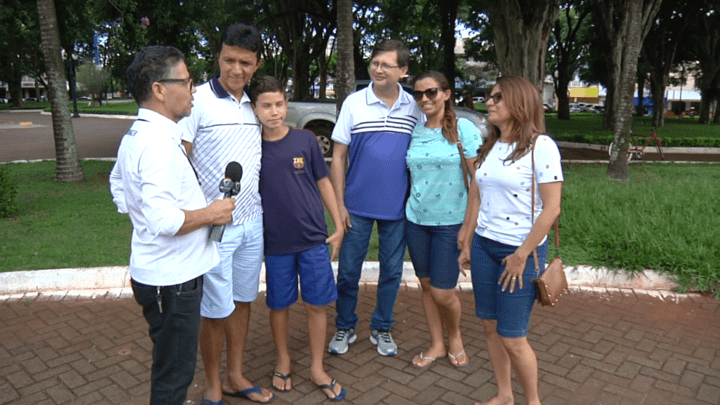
point(68, 167)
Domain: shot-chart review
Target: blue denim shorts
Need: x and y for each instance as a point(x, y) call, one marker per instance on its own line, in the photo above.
point(510, 310)
point(317, 280)
point(434, 253)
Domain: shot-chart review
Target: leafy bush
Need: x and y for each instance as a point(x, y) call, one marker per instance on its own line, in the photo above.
point(8, 193)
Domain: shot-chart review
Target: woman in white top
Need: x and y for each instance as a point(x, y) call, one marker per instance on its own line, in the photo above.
point(500, 251)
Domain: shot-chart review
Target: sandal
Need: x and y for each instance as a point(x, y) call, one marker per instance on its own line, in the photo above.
point(285, 378)
point(423, 358)
point(456, 362)
point(331, 388)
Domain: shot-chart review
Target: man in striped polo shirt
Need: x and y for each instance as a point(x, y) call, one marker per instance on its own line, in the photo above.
point(222, 128)
point(373, 130)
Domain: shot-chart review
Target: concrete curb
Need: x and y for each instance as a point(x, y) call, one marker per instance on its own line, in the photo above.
point(118, 277)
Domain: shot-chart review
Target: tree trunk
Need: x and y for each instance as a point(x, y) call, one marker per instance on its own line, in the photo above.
point(561, 91)
point(640, 109)
point(624, 23)
point(345, 75)
point(448, 14)
point(658, 96)
point(68, 167)
point(521, 36)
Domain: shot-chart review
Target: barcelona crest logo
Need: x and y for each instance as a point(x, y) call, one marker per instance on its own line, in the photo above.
point(299, 162)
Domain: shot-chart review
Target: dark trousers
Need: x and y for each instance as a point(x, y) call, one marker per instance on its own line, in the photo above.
point(173, 313)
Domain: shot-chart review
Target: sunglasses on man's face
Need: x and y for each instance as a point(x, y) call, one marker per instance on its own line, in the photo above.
point(430, 93)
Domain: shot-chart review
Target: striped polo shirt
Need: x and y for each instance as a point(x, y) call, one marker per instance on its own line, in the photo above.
point(378, 137)
point(223, 129)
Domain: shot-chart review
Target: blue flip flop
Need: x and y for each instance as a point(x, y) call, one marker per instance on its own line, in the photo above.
point(206, 401)
point(331, 387)
point(245, 394)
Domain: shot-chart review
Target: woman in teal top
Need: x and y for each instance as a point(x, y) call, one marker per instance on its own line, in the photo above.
point(435, 212)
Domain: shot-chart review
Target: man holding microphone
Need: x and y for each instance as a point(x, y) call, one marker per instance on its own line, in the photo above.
point(154, 183)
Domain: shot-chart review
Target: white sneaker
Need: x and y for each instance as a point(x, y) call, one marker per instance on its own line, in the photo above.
point(342, 339)
point(385, 344)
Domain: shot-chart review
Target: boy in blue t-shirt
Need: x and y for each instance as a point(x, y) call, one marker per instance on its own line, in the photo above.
point(293, 179)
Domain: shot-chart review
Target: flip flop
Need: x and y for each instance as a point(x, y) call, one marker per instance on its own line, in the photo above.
point(331, 387)
point(245, 394)
point(284, 377)
point(423, 358)
point(206, 401)
point(455, 357)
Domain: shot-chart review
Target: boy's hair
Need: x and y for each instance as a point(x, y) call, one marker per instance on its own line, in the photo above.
point(151, 64)
point(264, 84)
point(389, 45)
point(243, 36)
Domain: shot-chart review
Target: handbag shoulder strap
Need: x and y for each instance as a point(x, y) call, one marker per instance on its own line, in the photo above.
point(532, 216)
point(463, 162)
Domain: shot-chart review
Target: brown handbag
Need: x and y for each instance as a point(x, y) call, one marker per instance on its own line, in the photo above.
point(553, 282)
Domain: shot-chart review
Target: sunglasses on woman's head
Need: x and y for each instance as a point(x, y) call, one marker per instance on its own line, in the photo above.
point(430, 93)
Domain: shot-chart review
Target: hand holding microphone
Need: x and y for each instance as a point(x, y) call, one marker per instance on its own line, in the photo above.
point(229, 186)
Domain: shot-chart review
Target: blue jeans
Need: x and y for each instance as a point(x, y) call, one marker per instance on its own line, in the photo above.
point(391, 240)
point(174, 331)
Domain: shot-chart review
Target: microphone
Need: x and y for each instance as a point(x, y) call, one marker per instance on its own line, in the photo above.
point(229, 186)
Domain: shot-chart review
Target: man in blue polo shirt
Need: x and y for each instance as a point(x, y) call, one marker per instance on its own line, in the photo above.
point(373, 131)
point(222, 128)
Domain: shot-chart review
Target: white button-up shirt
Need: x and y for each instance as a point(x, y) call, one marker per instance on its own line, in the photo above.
point(153, 182)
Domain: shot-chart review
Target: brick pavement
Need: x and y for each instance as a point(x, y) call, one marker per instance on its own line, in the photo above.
point(598, 346)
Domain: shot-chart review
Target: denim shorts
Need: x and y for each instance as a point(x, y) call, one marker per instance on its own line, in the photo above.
point(510, 310)
point(317, 280)
point(434, 253)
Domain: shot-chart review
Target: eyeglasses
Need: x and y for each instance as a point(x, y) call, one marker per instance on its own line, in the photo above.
point(383, 66)
point(430, 93)
point(188, 81)
point(496, 98)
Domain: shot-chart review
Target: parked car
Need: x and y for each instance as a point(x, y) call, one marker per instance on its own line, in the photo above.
point(320, 117)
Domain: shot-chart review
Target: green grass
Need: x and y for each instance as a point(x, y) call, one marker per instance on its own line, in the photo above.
point(63, 225)
point(665, 217)
point(587, 128)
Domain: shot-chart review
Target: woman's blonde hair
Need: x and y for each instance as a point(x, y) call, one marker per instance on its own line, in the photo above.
point(522, 99)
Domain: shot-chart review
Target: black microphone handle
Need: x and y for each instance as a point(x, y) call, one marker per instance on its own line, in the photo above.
point(216, 231)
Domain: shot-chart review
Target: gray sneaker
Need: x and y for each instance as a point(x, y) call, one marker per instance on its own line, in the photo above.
point(341, 340)
point(385, 344)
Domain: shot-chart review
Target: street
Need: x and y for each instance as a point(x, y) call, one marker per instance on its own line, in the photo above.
point(94, 137)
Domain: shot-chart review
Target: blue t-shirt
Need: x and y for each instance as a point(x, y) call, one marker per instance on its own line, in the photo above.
point(292, 207)
point(437, 192)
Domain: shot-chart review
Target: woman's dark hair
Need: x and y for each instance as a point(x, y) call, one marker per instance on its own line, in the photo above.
point(522, 99)
point(389, 45)
point(243, 36)
point(449, 122)
point(264, 84)
point(151, 64)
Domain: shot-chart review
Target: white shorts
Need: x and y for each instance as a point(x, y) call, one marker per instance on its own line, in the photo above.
point(237, 277)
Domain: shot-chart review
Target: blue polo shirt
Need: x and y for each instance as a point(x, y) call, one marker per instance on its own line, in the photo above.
point(377, 137)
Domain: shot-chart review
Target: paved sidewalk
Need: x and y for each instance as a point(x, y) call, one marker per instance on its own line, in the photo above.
point(599, 346)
